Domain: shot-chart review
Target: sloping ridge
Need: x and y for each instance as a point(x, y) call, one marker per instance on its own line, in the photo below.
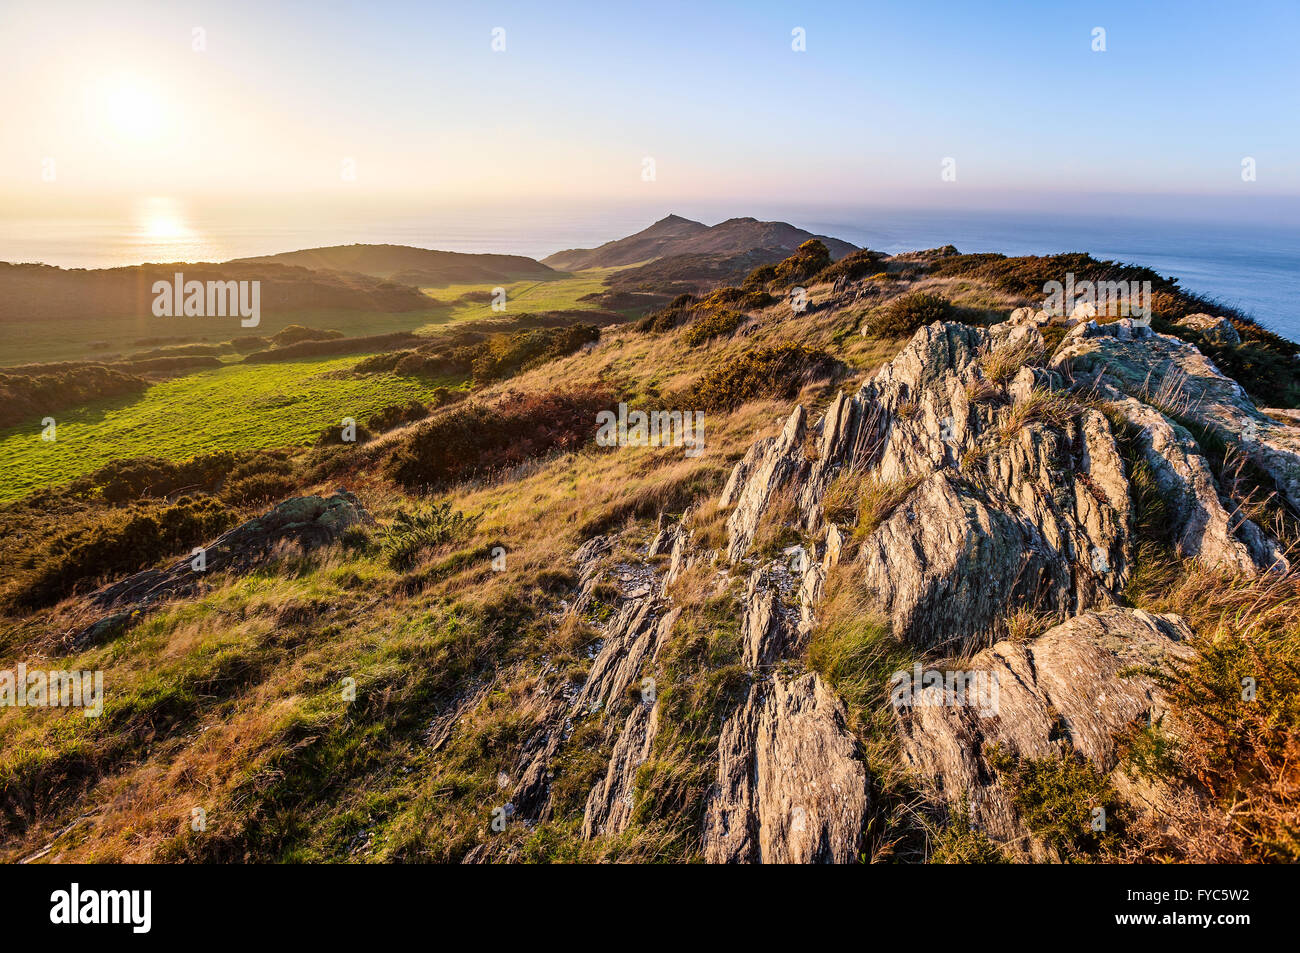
point(407, 264)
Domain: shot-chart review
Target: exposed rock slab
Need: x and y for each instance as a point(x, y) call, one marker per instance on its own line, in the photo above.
point(1176, 375)
point(791, 788)
point(1076, 686)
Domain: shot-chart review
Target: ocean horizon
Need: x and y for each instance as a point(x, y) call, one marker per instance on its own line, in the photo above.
point(1251, 266)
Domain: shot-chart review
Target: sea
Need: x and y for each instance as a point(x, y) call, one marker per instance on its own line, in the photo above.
point(1253, 266)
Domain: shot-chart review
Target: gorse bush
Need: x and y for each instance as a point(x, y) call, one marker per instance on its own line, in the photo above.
point(334, 435)
point(422, 531)
point(908, 313)
point(1056, 797)
point(778, 371)
point(505, 355)
point(862, 263)
point(1238, 699)
point(25, 397)
point(810, 259)
point(138, 478)
point(668, 317)
point(712, 324)
point(718, 312)
point(487, 358)
point(297, 333)
point(258, 488)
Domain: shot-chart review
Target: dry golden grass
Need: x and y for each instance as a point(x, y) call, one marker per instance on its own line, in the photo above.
point(999, 364)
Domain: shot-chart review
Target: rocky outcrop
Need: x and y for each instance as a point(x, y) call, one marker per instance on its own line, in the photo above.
point(304, 522)
point(764, 469)
point(791, 786)
point(631, 642)
point(987, 482)
point(610, 803)
point(1007, 489)
point(1011, 493)
point(1202, 525)
point(1072, 689)
point(1178, 379)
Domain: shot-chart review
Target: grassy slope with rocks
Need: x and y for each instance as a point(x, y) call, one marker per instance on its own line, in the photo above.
point(233, 700)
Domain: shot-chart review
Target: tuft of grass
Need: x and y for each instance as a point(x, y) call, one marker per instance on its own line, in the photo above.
point(855, 652)
point(1041, 406)
point(877, 500)
point(1000, 364)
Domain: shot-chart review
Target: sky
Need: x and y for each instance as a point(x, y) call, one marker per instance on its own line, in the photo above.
point(388, 102)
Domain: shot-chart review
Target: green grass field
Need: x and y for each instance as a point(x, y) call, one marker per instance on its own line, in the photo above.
point(523, 297)
point(228, 408)
point(237, 406)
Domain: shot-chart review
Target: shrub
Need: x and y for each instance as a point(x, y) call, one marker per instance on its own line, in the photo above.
point(1239, 740)
point(909, 313)
point(27, 397)
point(669, 316)
point(476, 438)
point(504, 355)
point(333, 435)
point(777, 371)
point(135, 478)
point(862, 263)
point(116, 543)
point(810, 259)
point(257, 488)
point(711, 324)
point(414, 533)
point(296, 333)
point(759, 278)
point(394, 415)
point(1056, 796)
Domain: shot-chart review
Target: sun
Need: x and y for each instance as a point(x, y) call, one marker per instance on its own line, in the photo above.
point(134, 111)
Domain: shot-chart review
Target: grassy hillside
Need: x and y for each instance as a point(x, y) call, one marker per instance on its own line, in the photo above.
point(408, 265)
point(230, 700)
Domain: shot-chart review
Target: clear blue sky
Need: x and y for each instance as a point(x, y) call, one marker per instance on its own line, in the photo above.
point(412, 91)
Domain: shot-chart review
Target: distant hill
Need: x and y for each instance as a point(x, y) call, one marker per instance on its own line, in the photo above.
point(411, 266)
point(674, 236)
point(41, 292)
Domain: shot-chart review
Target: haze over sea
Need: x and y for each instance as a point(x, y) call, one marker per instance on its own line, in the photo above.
point(1254, 266)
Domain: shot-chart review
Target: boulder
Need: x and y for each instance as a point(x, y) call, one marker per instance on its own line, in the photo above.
point(1215, 330)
